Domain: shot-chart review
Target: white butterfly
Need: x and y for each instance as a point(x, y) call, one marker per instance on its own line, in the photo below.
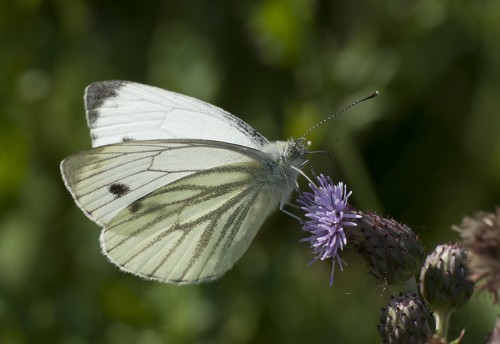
point(180, 187)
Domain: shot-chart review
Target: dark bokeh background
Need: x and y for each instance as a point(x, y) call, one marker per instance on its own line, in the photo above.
point(426, 151)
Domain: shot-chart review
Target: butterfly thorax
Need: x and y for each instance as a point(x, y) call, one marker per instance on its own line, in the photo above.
point(286, 158)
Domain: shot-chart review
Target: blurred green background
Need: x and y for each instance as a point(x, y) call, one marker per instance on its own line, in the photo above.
point(426, 152)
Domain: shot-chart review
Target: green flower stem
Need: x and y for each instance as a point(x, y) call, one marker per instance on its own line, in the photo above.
point(442, 322)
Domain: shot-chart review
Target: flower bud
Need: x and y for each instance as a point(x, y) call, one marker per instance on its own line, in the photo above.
point(444, 282)
point(407, 319)
point(391, 250)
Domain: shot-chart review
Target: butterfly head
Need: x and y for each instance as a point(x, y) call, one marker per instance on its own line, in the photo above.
point(296, 150)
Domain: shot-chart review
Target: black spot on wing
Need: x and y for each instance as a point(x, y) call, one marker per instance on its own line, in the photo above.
point(134, 207)
point(97, 93)
point(118, 189)
point(127, 139)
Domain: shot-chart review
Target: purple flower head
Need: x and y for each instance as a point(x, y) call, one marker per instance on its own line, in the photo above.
point(327, 214)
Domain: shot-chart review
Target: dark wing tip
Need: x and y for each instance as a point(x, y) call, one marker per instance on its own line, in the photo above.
point(95, 95)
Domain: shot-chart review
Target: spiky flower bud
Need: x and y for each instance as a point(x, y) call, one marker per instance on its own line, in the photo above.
point(481, 240)
point(444, 281)
point(391, 250)
point(406, 319)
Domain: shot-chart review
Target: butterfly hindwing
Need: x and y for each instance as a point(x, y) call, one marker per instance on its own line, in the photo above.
point(194, 229)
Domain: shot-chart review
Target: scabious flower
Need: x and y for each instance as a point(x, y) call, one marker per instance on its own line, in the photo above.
point(327, 214)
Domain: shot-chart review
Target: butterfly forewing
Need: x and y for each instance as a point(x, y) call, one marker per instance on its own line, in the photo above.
point(119, 111)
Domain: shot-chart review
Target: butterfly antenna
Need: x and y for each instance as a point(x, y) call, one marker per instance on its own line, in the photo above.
point(373, 95)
